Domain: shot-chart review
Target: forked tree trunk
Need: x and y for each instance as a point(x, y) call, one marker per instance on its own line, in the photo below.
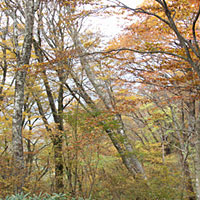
point(57, 141)
point(57, 138)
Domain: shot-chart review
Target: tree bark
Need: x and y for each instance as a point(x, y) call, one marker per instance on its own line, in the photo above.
point(197, 168)
point(18, 159)
point(23, 59)
point(197, 158)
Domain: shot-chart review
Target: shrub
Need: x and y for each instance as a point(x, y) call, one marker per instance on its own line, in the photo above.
point(34, 197)
point(41, 197)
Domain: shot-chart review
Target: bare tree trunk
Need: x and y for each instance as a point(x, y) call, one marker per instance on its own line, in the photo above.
point(58, 161)
point(23, 59)
point(197, 168)
point(197, 158)
point(194, 129)
point(17, 142)
point(130, 159)
point(126, 153)
point(187, 177)
point(189, 186)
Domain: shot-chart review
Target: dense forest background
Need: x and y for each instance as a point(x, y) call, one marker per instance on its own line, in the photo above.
point(94, 117)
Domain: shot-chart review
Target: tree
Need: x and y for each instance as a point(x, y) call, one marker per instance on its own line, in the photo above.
point(22, 59)
point(169, 61)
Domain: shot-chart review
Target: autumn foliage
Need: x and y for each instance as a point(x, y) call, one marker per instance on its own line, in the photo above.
point(92, 119)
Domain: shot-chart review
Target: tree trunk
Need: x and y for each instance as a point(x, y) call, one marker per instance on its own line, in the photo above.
point(197, 164)
point(187, 177)
point(126, 153)
point(17, 143)
point(194, 128)
point(128, 156)
point(58, 162)
point(189, 186)
point(23, 59)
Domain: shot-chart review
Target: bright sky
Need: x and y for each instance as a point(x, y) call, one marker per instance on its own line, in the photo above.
point(132, 3)
point(112, 25)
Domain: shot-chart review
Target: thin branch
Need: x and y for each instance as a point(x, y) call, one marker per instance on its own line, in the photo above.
point(68, 102)
point(78, 100)
point(136, 51)
point(140, 10)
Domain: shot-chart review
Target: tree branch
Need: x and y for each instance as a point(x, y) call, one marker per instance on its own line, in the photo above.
point(137, 51)
point(193, 30)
